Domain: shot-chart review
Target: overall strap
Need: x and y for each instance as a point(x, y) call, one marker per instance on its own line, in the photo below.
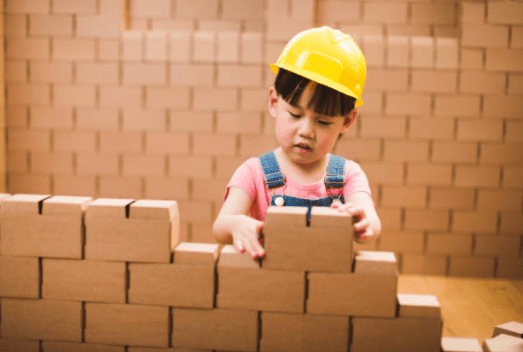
point(335, 176)
point(271, 170)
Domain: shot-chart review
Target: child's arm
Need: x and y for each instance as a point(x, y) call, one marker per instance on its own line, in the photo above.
point(233, 225)
point(360, 206)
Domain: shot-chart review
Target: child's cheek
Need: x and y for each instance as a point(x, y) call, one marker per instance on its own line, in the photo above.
point(283, 134)
point(327, 143)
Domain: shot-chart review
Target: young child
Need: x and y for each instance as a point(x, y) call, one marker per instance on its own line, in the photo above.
point(320, 78)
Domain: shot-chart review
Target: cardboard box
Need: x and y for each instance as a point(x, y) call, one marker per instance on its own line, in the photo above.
point(303, 332)
point(325, 217)
point(156, 209)
point(396, 334)
point(110, 235)
point(189, 282)
point(41, 320)
point(281, 332)
point(230, 257)
point(126, 324)
point(502, 343)
point(17, 345)
point(375, 262)
point(152, 349)
point(512, 328)
point(84, 280)
point(52, 346)
point(293, 244)
point(65, 205)
point(196, 253)
point(55, 236)
point(22, 204)
point(370, 295)
point(459, 344)
point(4, 196)
point(412, 305)
point(252, 288)
point(308, 249)
point(286, 216)
point(324, 332)
point(19, 277)
point(109, 208)
point(42, 227)
point(177, 285)
point(215, 329)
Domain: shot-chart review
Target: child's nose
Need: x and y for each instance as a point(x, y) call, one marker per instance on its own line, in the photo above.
point(307, 128)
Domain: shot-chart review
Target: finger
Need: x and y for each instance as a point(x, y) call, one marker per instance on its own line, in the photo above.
point(254, 243)
point(361, 225)
point(259, 249)
point(250, 248)
point(239, 246)
point(366, 235)
point(356, 211)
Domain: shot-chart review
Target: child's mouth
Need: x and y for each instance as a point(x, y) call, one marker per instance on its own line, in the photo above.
point(303, 148)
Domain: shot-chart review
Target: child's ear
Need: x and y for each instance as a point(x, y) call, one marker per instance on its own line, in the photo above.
point(349, 120)
point(273, 101)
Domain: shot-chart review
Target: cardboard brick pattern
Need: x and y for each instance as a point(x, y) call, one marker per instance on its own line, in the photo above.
point(30, 229)
point(460, 344)
point(304, 332)
point(418, 306)
point(503, 342)
point(54, 346)
point(74, 90)
point(83, 280)
point(19, 277)
point(252, 288)
point(7, 344)
point(178, 285)
point(512, 328)
point(352, 294)
point(203, 294)
point(328, 231)
point(127, 324)
point(400, 334)
point(149, 234)
point(41, 319)
point(214, 328)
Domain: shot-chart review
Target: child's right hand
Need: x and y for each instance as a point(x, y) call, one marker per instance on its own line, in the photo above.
point(246, 236)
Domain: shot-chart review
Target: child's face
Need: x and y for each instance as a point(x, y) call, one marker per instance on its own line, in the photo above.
point(305, 136)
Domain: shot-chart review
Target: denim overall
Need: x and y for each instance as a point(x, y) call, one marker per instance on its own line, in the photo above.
point(335, 178)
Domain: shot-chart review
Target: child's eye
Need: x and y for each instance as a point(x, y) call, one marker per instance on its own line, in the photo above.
point(296, 116)
point(324, 123)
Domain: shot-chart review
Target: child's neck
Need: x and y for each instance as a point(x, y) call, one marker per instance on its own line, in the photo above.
point(302, 173)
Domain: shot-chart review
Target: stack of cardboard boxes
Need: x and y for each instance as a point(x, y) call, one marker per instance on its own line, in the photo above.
point(506, 337)
point(78, 274)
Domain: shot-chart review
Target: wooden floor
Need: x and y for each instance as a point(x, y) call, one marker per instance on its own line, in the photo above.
point(469, 307)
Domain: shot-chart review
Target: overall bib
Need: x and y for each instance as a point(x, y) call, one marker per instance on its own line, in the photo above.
point(274, 178)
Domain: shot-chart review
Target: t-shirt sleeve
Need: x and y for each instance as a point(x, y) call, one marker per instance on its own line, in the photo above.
point(356, 180)
point(244, 178)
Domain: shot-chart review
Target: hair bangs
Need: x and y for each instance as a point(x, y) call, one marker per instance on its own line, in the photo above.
point(324, 100)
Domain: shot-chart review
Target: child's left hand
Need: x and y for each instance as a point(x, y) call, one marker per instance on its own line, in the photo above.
point(363, 231)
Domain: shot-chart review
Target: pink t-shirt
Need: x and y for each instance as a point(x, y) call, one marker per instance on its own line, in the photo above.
point(249, 177)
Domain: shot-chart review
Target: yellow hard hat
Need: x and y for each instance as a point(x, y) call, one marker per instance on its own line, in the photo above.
point(326, 56)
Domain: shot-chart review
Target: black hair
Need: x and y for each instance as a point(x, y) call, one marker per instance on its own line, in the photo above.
point(324, 100)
